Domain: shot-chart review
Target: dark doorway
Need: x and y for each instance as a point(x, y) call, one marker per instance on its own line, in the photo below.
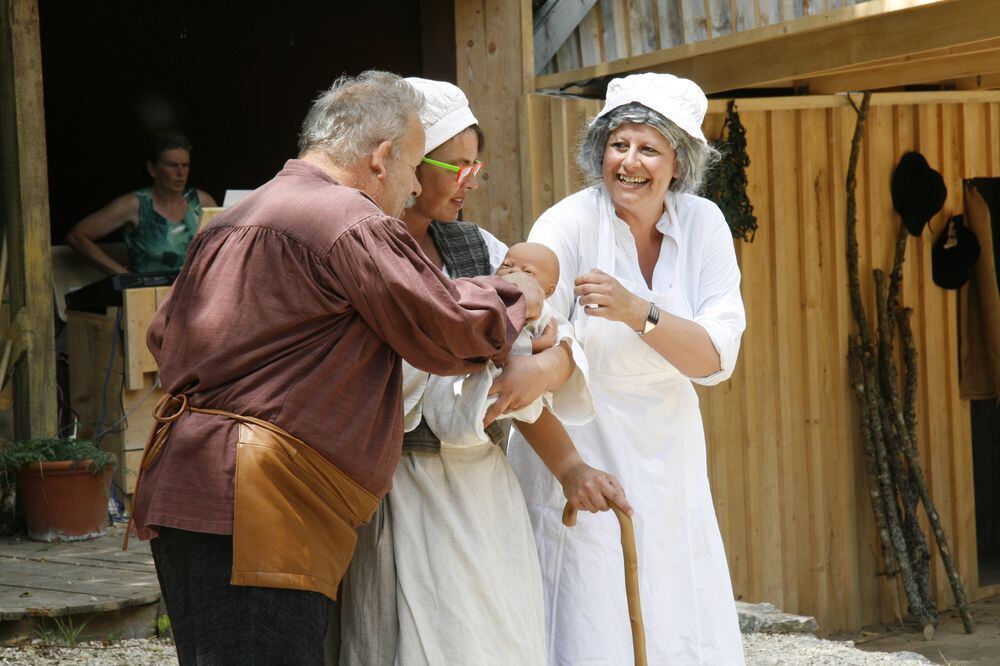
point(986, 473)
point(236, 77)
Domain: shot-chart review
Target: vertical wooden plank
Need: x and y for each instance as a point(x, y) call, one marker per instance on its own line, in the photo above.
point(695, 21)
point(139, 306)
point(537, 182)
point(927, 142)
point(820, 417)
point(614, 20)
point(568, 56)
point(496, 61)
point(591, 38)
point(721, 13)
point(614, 48)
point(847, 586)
point(974, 161)
point(788, 297)
point(561, 187)
point(993, 138)
point(745, 13)
point(812, 7)
point(766, 548)
point(768, 12)
point(790, 9)
point(671, 28)
point(25, 207)
point(934, 370)
point(642, 26)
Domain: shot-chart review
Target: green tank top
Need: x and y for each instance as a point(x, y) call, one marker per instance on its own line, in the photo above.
point(156, 243)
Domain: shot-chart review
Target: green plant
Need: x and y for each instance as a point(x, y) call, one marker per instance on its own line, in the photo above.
point(68, 632)
point(162, 624)
point(26, 452)
point(45, 634)
point(65, 633)
point(726, 185)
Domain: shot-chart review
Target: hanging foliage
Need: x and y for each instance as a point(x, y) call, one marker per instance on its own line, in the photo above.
point(727, 183)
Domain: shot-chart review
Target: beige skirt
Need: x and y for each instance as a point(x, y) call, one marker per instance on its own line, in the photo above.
point(447, 571)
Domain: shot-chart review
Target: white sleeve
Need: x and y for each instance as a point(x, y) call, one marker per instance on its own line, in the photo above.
point(496, 247)
point(719, 307)
point(572, 403)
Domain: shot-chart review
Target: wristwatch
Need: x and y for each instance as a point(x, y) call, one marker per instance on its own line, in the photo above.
point(652, 319)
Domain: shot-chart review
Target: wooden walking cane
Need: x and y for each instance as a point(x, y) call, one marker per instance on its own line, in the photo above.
point(631, 578)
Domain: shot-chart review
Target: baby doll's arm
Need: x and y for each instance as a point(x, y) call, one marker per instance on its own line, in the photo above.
point(545, 339)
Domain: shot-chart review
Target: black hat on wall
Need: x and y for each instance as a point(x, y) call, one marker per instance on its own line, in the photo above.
point(918, 191)
point(954, 254)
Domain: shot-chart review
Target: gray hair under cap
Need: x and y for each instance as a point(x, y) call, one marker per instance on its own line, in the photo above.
point(693, 161)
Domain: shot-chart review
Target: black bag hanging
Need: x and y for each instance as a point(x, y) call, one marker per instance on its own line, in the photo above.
point(954, 254)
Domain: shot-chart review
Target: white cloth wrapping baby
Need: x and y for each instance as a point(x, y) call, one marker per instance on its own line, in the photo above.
point(454, 407)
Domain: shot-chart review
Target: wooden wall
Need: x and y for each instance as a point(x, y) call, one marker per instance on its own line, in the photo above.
point(616, 29)
point(786, 463)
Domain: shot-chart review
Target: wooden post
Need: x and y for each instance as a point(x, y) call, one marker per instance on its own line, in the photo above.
point(494, 50)
point(25, 202)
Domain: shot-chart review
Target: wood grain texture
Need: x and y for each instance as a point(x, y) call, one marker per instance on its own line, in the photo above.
point(495, 68)
point(25, 209)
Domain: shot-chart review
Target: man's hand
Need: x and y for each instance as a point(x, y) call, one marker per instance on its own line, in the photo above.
point(523, 379)
point(534, 297)
point(589, 489)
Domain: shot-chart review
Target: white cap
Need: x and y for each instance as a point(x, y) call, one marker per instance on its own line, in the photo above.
point(445, 112)
point(679, 100)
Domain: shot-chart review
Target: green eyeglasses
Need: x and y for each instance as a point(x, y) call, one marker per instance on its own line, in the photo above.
point(463, 172)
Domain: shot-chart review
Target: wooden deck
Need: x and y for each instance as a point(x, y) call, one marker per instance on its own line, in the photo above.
point(115, 592)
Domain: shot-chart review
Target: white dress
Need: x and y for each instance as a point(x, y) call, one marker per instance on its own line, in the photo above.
point(648, 431)
point(447, 573)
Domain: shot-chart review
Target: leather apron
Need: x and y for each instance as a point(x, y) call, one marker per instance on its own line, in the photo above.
point(296, 513)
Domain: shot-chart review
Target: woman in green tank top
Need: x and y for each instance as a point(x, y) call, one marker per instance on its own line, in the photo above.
point(159, 221)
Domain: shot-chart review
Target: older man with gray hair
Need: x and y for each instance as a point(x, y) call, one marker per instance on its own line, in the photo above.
point(279, 349)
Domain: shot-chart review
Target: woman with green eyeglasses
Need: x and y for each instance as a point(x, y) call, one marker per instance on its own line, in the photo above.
point(447, 571)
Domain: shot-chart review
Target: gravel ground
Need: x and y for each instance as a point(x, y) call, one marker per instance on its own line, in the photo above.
point(788, 649)
point(133, 652)
point(761, 650)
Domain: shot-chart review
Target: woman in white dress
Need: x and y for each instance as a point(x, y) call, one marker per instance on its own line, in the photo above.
point(446, 572)
point(649, 275)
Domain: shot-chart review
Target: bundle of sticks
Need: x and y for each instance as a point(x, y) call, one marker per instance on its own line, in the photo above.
point(897, 485)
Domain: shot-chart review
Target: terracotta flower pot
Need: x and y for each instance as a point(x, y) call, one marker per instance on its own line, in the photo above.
point(64, 500)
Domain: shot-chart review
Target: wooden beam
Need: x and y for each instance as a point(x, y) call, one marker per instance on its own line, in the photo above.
point(801, 102)
point(908, 73)
point(988, 81)
point(25, 206)
point(975, 47)
point(555, 22)
point(496, 66)
point(811, 45)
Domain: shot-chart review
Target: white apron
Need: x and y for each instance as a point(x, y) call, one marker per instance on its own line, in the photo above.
point(648, 432)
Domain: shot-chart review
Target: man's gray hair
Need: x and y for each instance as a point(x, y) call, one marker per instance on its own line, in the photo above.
point(357, 114)
point(694, 158)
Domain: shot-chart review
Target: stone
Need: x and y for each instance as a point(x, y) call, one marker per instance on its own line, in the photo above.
point(765, 618)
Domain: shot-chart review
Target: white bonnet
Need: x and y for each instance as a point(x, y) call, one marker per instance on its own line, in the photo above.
point(679, 100)
point(445, 112)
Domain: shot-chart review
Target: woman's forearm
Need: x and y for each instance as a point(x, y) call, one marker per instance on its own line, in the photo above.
point(586, 488)
point(686, 344)
point(552, 443)
point(558, 364)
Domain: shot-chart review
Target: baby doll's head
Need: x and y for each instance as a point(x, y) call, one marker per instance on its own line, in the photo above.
point(534, 259)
